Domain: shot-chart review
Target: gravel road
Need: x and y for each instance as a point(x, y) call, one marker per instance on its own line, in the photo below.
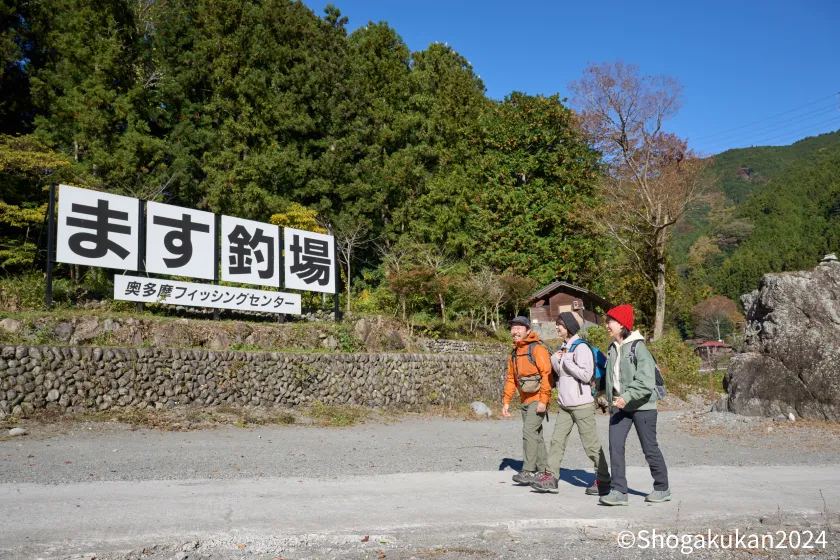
point(357, 469)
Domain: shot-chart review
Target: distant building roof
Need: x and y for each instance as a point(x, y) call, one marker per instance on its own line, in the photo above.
point(714, 344)
point(558, 284)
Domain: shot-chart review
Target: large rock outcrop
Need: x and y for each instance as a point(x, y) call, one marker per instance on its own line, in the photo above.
point(791, 361)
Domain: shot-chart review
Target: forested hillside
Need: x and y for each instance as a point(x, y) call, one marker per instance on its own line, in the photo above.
point(788, 223)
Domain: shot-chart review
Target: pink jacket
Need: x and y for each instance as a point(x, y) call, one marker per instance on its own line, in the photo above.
point(574, 372)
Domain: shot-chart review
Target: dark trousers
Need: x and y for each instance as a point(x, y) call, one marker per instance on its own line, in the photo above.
point(645, 423)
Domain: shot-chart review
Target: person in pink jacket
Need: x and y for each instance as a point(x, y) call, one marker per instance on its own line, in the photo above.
point(574, 366)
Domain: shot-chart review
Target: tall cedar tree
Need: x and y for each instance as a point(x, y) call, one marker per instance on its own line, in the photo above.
point(540, 175)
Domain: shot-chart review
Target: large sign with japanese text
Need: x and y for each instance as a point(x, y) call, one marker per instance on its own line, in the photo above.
point(151, 290)
point(180, 242)
point(97, 229)
point(310, 261)
point(250, 252)
point(104, 230)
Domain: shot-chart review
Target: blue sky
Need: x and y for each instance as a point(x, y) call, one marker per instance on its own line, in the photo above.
point(755, 73)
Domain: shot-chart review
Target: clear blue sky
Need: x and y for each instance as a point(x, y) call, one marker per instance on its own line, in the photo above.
point(741, 63)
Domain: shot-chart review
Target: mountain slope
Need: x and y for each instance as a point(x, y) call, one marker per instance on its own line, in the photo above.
point(738, 174)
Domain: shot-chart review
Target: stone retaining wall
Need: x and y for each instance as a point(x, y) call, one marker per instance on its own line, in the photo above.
point(95, 379)
point(439, 346)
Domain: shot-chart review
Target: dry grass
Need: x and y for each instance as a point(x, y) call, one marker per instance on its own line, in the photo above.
point(338, 415)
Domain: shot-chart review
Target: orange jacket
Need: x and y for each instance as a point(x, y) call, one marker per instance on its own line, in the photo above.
point(526, 368)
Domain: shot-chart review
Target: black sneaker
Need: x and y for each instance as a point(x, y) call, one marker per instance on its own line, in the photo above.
point(526, 477)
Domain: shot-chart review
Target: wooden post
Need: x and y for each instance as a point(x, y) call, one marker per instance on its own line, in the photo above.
point(217, 256)
point(141, 246)
point(50, 244)
point(336, 305)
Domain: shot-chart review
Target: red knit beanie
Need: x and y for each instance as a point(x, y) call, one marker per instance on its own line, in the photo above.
point(624, 315)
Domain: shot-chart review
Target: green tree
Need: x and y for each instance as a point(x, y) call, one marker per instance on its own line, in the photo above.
point(539, 174)
point(25, 167)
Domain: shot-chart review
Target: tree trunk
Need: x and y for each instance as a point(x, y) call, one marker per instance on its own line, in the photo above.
point(348, 286)
point(659, 318)
point(442, 308)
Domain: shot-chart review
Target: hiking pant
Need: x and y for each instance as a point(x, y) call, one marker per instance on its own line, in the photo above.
point(533, 444)
point(584, 417)
point(645, 423)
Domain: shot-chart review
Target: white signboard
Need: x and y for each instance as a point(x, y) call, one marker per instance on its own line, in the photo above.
point(180, 241)
point(97, 229)
point(309, 261)
point(250, 252)
point(150, 290)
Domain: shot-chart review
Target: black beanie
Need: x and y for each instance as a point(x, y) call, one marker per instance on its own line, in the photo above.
point(569, 322)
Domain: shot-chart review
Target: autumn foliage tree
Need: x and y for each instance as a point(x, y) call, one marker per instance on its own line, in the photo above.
point(651, 177)
point(715, 317)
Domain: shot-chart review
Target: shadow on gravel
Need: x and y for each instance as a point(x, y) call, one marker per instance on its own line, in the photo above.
point(515, 464)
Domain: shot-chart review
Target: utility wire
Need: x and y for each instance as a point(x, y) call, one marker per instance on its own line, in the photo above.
point(797, 134)
point(764, 120)
point(774, 131)
point(792, 121)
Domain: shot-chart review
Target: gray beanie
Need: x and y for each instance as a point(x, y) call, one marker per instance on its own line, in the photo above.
point(570, 322)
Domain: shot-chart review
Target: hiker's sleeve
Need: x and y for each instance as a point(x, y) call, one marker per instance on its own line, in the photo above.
point(644, 378)
point(510, 384)
point(580, 364)
point(543, 361)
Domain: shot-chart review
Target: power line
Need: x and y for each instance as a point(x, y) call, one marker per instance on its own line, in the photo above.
point(764, 120)
point(798, 123)
point(783, 124)
point(795, 134)
point(819, 126)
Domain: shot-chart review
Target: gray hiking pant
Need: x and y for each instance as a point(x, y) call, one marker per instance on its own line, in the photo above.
point(645, 423)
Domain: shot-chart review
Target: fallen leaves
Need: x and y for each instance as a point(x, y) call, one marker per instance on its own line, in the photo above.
point(366, 538)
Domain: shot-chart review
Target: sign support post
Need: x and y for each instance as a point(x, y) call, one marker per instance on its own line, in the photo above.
point(141, 257)
point(336, 306)
point(50, 245)
point(218, 256)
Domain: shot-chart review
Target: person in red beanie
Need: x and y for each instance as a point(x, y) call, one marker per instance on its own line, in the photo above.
point(629, 382)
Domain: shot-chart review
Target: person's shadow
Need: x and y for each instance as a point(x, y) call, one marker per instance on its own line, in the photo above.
point(575, 477)
point(515, 464)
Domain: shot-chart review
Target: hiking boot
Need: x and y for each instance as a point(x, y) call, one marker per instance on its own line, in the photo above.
point(614, 498)
point(526, 477)
point(600, 488)
point(546, 483)
point(659, 496)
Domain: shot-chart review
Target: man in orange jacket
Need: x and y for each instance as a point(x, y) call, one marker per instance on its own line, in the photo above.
point(529, 371)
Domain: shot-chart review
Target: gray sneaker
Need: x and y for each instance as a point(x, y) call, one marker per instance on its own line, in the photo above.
point(614, 498)
point(526, 477)
point(546, 483)
point(659, 496)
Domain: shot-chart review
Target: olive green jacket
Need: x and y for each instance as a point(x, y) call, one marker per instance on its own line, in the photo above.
point(636, 382)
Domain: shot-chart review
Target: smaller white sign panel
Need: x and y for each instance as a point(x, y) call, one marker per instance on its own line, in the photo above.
point(180, 241)
point(309, 261)
point(250, 252)
point(154, 290)
point(97, 229)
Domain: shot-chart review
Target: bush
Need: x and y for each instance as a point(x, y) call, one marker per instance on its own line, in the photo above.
point(23, 293)
point(598, 337)
point(680, 367)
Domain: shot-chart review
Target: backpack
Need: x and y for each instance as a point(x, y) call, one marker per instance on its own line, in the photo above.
point(600, 362)
point(552, 380)
point(659, 385)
